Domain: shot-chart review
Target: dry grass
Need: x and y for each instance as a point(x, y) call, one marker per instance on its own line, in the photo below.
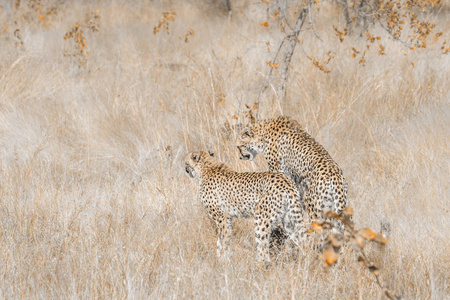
point(94, 200)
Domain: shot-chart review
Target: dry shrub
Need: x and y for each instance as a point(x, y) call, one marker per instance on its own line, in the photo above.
point(358, 239)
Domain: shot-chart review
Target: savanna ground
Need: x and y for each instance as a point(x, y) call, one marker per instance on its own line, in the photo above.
point(94, 199)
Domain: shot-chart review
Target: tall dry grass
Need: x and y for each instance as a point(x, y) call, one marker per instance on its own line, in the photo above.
point(94, 201)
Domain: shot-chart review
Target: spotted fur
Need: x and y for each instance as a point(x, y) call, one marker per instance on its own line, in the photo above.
point(289, 149)
point(225, 194)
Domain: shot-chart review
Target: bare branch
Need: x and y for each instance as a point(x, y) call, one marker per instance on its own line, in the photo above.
point(311, 22)
point(292, 42)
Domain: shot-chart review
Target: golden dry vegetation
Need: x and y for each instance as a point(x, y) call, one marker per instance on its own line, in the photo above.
point(94, 128)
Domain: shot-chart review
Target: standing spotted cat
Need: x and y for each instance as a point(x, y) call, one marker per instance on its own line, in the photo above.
point(289, 149)
point(225, 194)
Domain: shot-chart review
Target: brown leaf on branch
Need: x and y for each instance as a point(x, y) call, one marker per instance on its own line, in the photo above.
point(330, 256)
point(367, 233)
point(331, 214)
point(163, 23)
point(348, 211)
point(186, 36)
point(340, 34)
point(381, 239)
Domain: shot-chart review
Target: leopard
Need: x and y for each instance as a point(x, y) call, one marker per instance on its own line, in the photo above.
point(269, 198)
point(289, 149)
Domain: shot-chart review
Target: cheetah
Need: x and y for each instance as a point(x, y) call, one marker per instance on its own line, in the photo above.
point(270, 198)
point(289, 149)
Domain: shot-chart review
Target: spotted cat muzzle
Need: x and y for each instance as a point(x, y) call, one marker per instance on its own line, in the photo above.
point(244, 154)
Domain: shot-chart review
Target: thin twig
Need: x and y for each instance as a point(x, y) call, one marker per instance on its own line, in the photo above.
point(289, 51)
point(269, 76)
point(311, 22)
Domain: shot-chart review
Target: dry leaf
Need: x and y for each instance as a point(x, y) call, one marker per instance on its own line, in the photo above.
point(335, 241)
point(348, 211)
point(330, 255)
point(367, 233)
point(331, 214)
point(381, 239)
point(358, 241)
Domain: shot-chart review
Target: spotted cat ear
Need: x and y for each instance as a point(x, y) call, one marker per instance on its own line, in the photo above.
point(211, 153)
point(196, 156)
point(246, 132)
